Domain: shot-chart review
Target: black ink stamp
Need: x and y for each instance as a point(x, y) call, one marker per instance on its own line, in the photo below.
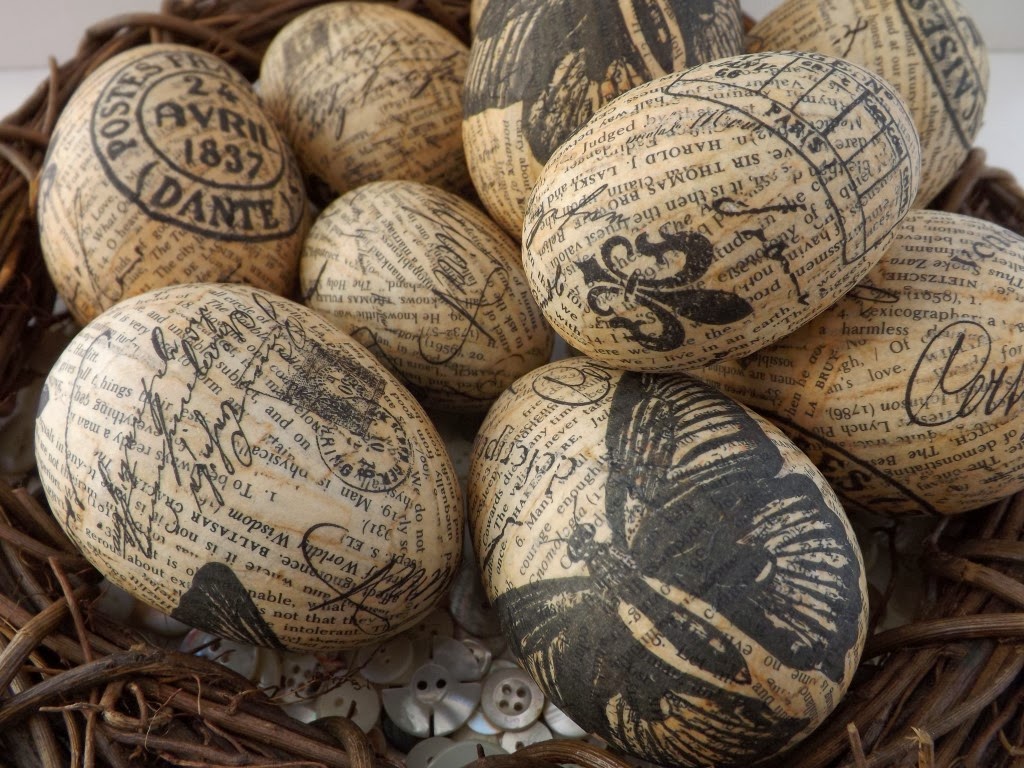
point(185, 142)
point(712, 518)
point(636, 286)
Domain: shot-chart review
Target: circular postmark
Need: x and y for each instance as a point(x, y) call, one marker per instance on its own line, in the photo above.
point(181, 136)
point(368, 450)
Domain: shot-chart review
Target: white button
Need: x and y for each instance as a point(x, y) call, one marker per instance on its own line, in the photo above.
point(469, 604)
point(462, 753)
point(481, 652)
point(437, 624)
point(388, 663)
point(511, 699)
point(503, 663)
point(434, 703)
point(560, 723)
point(300, 710)
point(458, 659)
point(113, 602)
point(150, 618)
point(496, 645)
point(515, 740)
point(422, 755)
point(297, 680)
point(479, 723)
point(354, 698)
point(236, 656)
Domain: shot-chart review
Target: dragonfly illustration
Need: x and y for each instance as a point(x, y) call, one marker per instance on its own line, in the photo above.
point(695, 502)
point(564, 60)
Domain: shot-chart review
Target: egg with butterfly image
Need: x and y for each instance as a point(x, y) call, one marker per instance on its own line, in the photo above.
point(665, 563)
point(539, 69)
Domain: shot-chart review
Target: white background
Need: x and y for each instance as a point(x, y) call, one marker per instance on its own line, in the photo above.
point(33, 30)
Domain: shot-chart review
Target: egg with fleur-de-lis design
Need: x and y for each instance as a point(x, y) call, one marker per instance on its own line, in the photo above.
point(705, 214)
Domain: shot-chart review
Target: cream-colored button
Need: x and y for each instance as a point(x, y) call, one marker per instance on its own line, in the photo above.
point(113, 602)
point(462, 753)
point(389, 663)
point(422, 755)
point(434, 703)
point(479, 724)
point(236, 656)
point(298, 677)
point(459, 659)
point(560, 723)
point(515, 740)
point(354, 698)
point(511, 699)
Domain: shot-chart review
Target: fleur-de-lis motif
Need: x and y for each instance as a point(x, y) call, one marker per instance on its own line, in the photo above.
point(649, 299)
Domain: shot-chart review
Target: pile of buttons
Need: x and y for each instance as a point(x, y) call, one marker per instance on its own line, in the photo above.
point(433, 693)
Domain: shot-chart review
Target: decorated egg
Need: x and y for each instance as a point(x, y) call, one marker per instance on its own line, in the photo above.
point(431, 286)
point(235, 461)
point(704, 215)
point(367, 91)
point(906, 394)
point(164, 169)
point(664, 563)
point(538, 70)
point(930, 51)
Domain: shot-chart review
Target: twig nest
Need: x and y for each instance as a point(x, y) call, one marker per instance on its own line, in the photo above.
point(431, 286)
point(539, 70)
point(907, 393)
point(706, 214)
point(930, 51)
point(163, 169)
point(237, 462)
point(666, 564)
point(366, 91)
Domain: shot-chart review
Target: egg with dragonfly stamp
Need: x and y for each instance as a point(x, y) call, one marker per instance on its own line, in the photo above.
point(665, 563)
point(163, 169)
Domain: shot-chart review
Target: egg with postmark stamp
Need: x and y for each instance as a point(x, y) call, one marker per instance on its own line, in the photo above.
point(430, 285)
point(702, 215)
point(237, 462)
point(164, 169)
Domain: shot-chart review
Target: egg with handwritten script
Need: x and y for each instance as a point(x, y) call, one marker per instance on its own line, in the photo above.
point(163, 169)
point(431, 286)
point(665, 563)
point(930, 51)
point(908, 392)
point(538, 70)
point(237, 462)
point(703, 215)
point(365, 92)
